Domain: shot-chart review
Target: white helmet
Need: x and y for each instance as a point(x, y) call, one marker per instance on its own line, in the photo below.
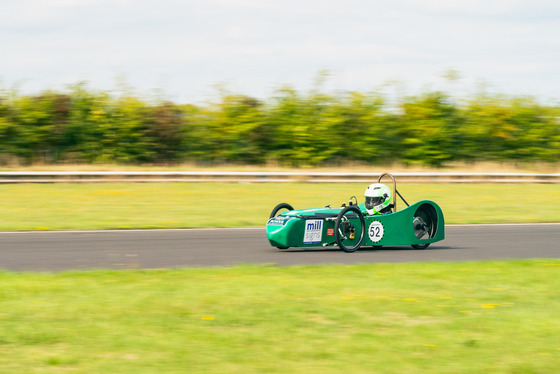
point(378, 197)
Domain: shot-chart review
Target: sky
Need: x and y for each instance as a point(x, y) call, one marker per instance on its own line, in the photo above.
point(187, 50)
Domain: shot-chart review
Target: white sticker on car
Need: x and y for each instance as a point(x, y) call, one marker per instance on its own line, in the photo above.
point(375, 231)
point(313, 231)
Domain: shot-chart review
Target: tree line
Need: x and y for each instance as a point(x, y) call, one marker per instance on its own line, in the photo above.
point(289, 128)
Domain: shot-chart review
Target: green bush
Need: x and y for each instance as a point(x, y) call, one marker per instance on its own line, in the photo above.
point(291, 128)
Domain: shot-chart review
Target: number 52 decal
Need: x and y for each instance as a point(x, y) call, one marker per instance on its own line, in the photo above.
point(375, 231)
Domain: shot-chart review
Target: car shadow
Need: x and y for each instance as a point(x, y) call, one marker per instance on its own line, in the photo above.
point(368, 249)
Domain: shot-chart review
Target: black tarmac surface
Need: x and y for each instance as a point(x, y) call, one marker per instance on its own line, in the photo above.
point(148, 249)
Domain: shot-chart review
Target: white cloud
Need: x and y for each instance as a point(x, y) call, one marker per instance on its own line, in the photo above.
point(257, 44)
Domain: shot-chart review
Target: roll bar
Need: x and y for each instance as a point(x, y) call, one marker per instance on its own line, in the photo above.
point(395, 191)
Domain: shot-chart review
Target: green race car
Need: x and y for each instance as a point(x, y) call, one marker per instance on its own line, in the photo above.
point(374, 223)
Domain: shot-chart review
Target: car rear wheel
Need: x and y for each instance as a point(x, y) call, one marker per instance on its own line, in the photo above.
point(279, 207)
point(424, 224)
point(275, 211)
point(349, 229)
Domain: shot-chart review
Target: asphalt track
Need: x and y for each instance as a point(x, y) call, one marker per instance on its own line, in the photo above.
point(149, 249)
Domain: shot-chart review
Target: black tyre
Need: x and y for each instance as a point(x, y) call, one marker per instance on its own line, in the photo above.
point(350, 229)
point(279, 207)
point(275, 211)
point(424, 223)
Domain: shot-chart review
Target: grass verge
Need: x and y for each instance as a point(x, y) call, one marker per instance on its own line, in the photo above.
point(179, 205)
point(471, 317)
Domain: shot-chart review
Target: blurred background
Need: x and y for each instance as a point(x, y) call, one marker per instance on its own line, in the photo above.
point(314, 83)
point(290, 128)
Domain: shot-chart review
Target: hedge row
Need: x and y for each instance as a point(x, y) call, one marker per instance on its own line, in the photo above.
point(291, 128)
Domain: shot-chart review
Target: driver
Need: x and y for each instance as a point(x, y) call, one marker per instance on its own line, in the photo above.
point(378, 198)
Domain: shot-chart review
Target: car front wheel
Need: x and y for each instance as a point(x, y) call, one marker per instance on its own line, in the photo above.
point(350, 228)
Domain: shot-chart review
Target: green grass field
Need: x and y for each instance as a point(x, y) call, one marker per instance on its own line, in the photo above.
point(470, 317)
point(179, 205)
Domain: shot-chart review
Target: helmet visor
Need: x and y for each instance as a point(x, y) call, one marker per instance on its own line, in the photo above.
point(373, 201)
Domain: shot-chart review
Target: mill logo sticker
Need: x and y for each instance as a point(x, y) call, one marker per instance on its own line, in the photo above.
point(313, 231)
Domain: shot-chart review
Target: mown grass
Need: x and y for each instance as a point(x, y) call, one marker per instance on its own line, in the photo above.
point(471, 317)
point(179, 205)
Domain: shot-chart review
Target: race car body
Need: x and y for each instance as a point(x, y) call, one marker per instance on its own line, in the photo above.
point(350, 227)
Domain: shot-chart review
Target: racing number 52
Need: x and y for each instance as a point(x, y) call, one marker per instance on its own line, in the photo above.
point(375, 231)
